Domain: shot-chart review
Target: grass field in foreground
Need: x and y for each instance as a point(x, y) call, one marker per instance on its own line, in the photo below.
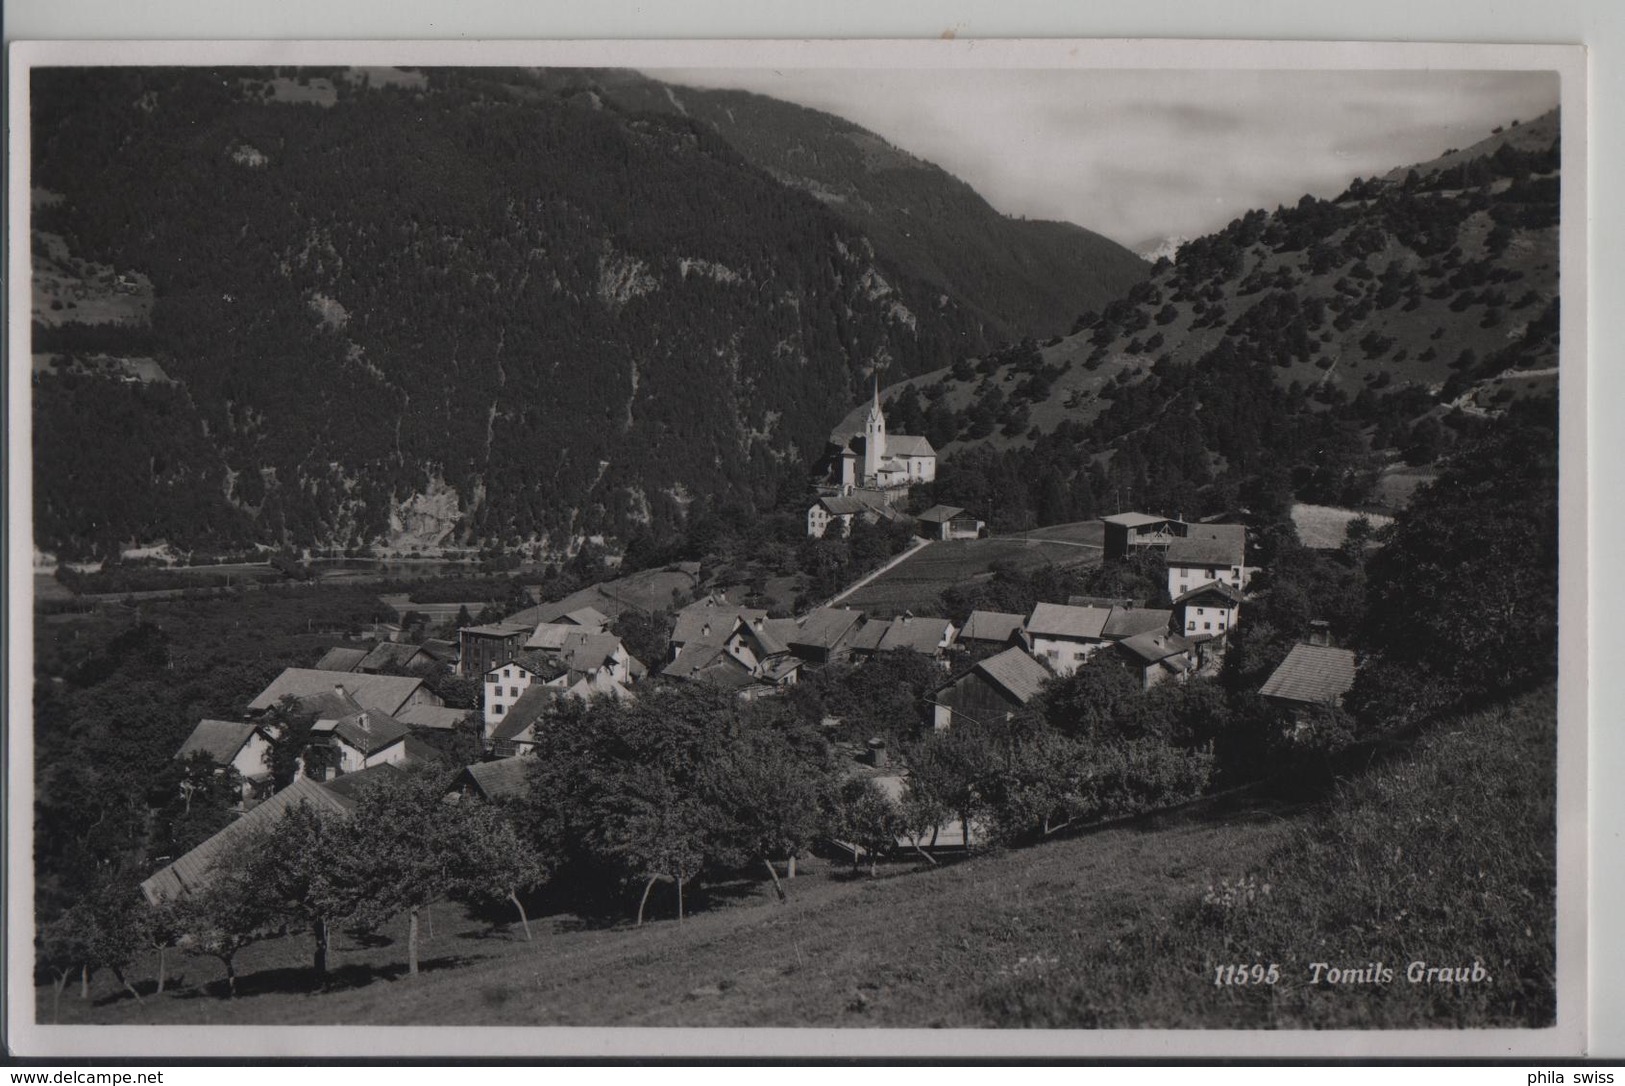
point(917, 584)
point(1443, 855)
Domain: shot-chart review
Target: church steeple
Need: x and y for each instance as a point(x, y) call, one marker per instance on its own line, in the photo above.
point(874, 438)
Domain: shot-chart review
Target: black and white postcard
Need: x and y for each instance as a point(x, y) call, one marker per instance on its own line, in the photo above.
point(518, 547)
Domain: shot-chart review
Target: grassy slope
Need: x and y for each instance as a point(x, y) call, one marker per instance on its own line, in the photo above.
point(917, 584)
point(1445, 855)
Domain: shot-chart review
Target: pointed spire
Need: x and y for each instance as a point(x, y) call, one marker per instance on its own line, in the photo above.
point(877, 391)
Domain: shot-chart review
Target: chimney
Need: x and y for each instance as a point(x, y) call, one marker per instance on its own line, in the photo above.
point(760, 622)
point(363, 720)
point(338, 688)
point(877, 753)
point(705, 631)
point(1320, 632)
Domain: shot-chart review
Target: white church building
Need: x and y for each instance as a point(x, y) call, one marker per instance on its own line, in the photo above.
point(873, 467)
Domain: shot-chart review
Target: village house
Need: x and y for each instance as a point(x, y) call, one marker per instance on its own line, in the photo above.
point(190, 872)
point(1126, 622)
point(1158, 657)
point(1209, 610)
point(992, 630)
point(870, 506)
point(994, 690)
point(589, 653)
point(946, 522)
point(313, 689)
point(392, 658)
point(708, 621)
point(752, 661)
point(481, 648)
point(931, 637)
point(1064, 636)
point(360, 740)
point(341, 659)
point(1311, 675)
point(1208, 554)
point(514, 732)
point(505, 685)
point(821, 636)
point(229, 744)
point(433, 718)
point(492, 782)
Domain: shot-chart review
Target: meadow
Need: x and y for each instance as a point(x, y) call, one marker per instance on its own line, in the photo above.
point(917, 584)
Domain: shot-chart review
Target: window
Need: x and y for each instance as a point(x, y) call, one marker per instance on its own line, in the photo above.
point(1201, 610)
point(1207, 625)
point(507, 673)
point(1221, 624)
point(1191, 625)
point(513, 691)
point(496, 710)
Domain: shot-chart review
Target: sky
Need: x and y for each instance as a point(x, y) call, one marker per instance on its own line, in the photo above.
point(1140, 156)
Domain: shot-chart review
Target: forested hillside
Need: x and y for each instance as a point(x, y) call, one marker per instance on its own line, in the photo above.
point(1300, 353)
point(469, 308)
point(1022, 277)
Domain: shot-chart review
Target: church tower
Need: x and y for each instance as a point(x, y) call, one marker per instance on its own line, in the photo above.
point(874, 439)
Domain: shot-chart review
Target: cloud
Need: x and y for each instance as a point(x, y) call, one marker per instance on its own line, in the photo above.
point(1139, 154)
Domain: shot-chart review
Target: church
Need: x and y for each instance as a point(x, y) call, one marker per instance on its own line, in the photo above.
point(869, 469)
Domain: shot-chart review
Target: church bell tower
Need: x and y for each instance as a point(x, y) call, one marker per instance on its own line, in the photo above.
point(874, 439)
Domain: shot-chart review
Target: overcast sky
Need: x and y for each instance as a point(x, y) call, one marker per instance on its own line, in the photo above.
point(1144, 155)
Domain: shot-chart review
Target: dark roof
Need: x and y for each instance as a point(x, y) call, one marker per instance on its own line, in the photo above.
point(917, 632)
point(824, 627)
point(386, 693)
point(1231, 594)
point(191, 871)
point(840, 505)
point(351, 785)
point(526, 711)
point(1312, 673)
point(443, 651)
point(766, 633)
point(508, 628)
point(692, 620)
point(1060, 620)
point(540, 664)
point(867, 637)
point(1210, 545)
point(1107, 602)
point(1134, 520)
point(1016, 672)
point(997, 626)
point(431, 717)
point(587, 651)
point(370, 731)
point(389, 654)
point(419, 751)
point(1130, 622)
point(696, 655)
point(505, 778)
point(590, 617)
point(939, 514)
point(219, 739)
point(1151, 648)
point(341, 659)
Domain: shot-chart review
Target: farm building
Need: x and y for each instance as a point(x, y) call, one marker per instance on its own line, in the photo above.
point(989, 629)
point(227, 743)
point(505, 778)
point(1128, 533)
point(991, 691)
point(949, 522)
point(1211, 609)
point(1311, 675)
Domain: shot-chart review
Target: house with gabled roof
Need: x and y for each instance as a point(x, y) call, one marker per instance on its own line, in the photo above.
point(949, 522)
point(1311, 675)
point(1064, 636)
point(871, 506)
point(190, 873)
point(493, 782)
point(1158, 657)
point(992, 629)
point(505, 685)
point(1210, 610)
point(993, 690)
point(708, 621)
point(1132, 533)
point(393, 658)
point(311, 688)
point(1126, 622)
point(924, 634)
point(340, 658)
point(820, 636)
point(432, 718)
point(228, 743)
point(1208, 554)
point(588, 652)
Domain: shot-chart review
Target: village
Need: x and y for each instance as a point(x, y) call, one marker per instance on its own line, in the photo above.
point(375, 715)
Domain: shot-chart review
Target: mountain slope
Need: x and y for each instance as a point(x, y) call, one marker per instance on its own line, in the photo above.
point(1326, 341)
point(1027, 278)
point(473, 308)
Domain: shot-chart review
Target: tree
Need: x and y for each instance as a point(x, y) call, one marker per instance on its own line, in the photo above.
point(866, 818)
point(773, 793)
point(1094, 702)
point(304, 867)
point(493, 861)
point(229, 912)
